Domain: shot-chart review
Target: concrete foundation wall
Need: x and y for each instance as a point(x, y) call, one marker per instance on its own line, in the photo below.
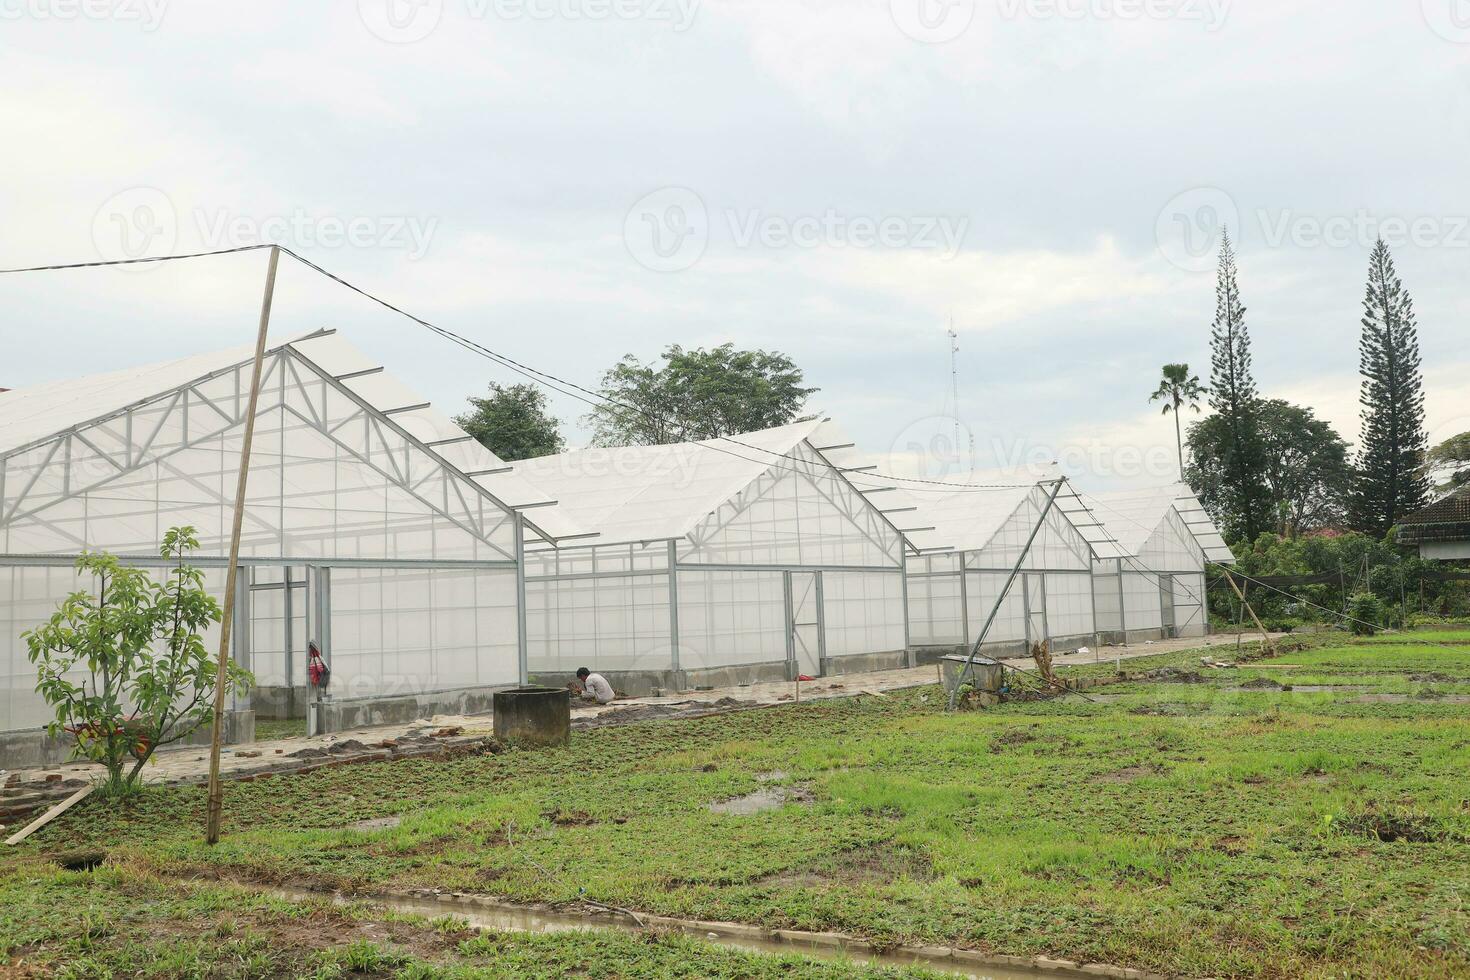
point(280, 703)
point(1005, 650)
point(20, 750)
point(338, 716)
point(862, 662)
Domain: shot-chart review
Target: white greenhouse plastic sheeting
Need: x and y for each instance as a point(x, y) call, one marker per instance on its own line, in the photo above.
point(378, 527)
point(979, 535)
point(1155, 585)
point(350, 471)
point(754, 550)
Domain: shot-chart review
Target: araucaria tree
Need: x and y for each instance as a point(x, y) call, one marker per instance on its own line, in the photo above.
point(697, 394)
point(125, 666)
point(1178, 389)
point(1390, 479)
point(1244, 500)
point(513, 422)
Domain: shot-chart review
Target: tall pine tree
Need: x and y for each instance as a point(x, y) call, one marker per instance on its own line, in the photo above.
point(1245, 500)
point(1390, 482)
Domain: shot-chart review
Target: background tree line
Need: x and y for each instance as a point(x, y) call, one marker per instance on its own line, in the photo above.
point(1264, 465)
point(1288, 494)
point(687, 395)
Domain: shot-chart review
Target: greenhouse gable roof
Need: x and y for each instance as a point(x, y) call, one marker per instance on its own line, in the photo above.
point(656, 493)
point(37, 415)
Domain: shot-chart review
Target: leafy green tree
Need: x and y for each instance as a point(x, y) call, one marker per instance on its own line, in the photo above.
point(1241, 498)
point(125, 667)
point(1449, 462)
point(697, 394)
point(1391, 481)
point(513, 422)
point(1178, 389)
point(1307, 471)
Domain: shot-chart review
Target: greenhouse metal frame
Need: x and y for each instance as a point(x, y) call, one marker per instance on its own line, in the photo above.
point(375, 528)
point(984, 531)
point(752, 558)
point(1149, 578)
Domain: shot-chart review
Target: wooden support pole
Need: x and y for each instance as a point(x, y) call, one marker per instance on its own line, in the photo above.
point(50, 815)
point(1266, 646)
point(216, 790)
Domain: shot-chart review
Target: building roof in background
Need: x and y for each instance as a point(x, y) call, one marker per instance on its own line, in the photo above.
point(1443, 520)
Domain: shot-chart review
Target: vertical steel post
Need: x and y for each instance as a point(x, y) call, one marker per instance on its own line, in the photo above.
point(523, 650)
point(674, 664)
point(216, 789)
point(969, 669)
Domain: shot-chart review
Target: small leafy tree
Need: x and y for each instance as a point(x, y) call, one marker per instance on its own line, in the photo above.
point(697, 394)
point(146, 677)
point(514, 422)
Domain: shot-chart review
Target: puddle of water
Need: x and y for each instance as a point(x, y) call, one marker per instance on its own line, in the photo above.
point(1402, 698)
point(763, 799)
point(489, 915)
point(377, 823)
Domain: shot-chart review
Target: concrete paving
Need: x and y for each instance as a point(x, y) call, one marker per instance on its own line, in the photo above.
point(191, 765)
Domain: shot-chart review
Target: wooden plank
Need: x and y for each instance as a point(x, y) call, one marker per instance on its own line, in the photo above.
point(50, 815)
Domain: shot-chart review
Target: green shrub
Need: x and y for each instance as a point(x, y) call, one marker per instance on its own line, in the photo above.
point(1367, 613)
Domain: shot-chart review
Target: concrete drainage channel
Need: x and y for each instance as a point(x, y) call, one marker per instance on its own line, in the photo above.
point(486, 913)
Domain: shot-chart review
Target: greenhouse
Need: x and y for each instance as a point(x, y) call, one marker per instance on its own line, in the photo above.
point(375, 528)
point(1151, 583)
point(979, 535)
point(757, 557)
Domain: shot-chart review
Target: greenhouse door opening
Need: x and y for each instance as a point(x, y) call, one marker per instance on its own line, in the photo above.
point(1166, 605)
point(1035, 593)
point(805, 629)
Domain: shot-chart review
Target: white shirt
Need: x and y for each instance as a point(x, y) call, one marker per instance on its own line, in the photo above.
point(599, 688)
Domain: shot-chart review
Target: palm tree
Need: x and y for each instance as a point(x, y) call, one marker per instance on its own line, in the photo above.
point(1178, 389)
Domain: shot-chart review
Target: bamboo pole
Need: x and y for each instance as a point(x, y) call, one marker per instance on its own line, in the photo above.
point(1266, 646)
point(232, 571)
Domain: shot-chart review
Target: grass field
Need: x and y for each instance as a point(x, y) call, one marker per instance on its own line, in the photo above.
point(1214, 825)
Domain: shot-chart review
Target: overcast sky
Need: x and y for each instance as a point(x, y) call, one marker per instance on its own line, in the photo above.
point(568, 181)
